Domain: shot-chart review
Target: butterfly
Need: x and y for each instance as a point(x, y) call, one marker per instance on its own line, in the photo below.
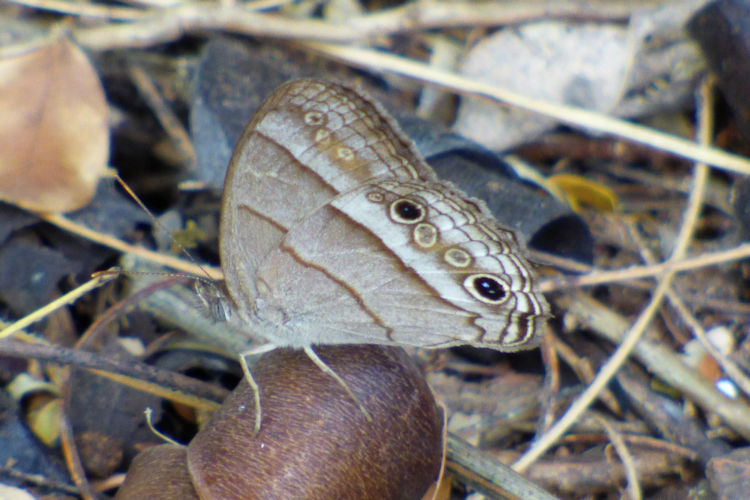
point(334, 230)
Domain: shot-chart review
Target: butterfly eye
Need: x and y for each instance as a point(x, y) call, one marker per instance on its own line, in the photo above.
point(487, 288)
point(407, 211)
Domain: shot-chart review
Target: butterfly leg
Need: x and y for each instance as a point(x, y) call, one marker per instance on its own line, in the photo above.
point(327, 369)
point(251, 381)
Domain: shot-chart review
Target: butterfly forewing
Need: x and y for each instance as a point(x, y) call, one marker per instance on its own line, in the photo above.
point(309, 141)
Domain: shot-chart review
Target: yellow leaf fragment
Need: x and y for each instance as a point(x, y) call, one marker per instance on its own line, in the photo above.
point(44, 421)
point(580, 190)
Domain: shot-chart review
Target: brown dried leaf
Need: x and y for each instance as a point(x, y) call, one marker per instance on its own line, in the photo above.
point(54, 139)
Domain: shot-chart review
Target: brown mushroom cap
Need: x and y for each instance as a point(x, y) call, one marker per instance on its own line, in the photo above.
point(159, 472)
point(315, 442)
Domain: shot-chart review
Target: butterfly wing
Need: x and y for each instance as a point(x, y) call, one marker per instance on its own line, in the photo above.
point(345, 286)
point(309, 141)
point(412, 262)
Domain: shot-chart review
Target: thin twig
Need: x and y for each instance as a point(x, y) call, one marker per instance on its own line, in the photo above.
point(380, 62)
point(739, 252)
point(660, 360)
point(727, 365)
point(166, 116)
point(173, 386)
point(98, 280)
point(608, 370)
point(410, 17)
point(85, 9)
point(67, 440)
point(476, 468)
point(174, 23)
point(631, 472)
point(121, 246)
point(695, 205)
point(612, 366)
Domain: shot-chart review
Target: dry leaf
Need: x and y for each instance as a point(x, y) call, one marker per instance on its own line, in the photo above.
point(580, 64)
point(640, 69)
point(582, 190)
point(54, 139)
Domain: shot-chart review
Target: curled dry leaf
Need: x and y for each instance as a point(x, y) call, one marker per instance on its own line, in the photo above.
point(314, 441)
point(54, 139)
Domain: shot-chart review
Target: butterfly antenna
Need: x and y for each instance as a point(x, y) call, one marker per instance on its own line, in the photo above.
point(161, 227)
